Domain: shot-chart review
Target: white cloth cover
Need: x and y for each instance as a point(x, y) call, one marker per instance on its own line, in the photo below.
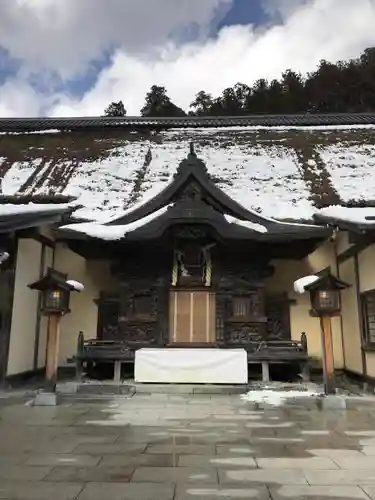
point(191, 366)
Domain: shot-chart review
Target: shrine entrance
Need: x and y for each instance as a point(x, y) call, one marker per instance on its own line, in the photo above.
point(192, 315)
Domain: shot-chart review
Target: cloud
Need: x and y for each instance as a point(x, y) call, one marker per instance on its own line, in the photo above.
point(307, 31)
point(65, 35)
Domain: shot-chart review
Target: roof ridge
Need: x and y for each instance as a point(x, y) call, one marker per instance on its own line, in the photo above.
point(256, 120)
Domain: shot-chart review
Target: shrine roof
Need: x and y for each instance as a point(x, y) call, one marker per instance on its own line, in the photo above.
point(278, 167)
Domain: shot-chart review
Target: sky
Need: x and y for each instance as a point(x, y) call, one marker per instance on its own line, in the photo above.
point(73, 57)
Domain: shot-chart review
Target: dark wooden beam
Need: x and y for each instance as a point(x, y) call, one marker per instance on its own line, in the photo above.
point(360, 314)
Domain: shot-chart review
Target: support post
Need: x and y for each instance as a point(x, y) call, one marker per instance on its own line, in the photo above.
point(265, 371)
point(327, 350)
point(52, 352)
point(117, 372)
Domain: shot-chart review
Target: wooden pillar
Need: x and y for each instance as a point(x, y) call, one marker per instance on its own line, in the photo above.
point(328, 360)
point(265, 371)
point(52, 351)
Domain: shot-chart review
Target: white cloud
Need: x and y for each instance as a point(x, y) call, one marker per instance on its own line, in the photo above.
point(310, 31)
point(64, 35)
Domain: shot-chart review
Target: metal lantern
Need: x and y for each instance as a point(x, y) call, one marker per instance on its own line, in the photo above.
point(56, 300)
point(55, 292)
point(325, 295)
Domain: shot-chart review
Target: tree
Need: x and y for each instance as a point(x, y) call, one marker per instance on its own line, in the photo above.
point(158, 104)
point(293, 92)
point(257, 101)
point(115, 109)
point(202, 104)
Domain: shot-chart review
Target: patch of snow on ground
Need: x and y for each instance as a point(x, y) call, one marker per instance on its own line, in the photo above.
point(276, 398)
point(299, 285)
point(351, 168)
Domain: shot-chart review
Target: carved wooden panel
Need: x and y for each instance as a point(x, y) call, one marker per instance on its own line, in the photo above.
point(244, 333)
point(108, 313)
point(278, 317)
point(141, 332)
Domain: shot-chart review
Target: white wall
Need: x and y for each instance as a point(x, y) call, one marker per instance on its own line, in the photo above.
point(95, 276)
point(25, 306)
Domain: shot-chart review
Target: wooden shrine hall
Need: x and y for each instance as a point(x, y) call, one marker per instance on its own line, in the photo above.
point(193, 267)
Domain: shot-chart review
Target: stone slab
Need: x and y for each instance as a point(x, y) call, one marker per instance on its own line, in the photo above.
point(191, 366)
point(175, 475)
point(366, 462)
point(63, 459)
point(215, 461)
point(22, 472)
point(21, 490)
point(139, 460)
point(318, 493)
point(215, 492)
point(370, 491)
point(189, 449)
point(343, 477)
point(90, 474)
point(262, 476)
point(45, 399)
point(109, 449)
point(127, 491)
point(334, 402)
point(317, 463)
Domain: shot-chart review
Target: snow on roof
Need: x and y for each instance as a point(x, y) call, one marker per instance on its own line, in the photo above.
point(31, 208)
point(354, 215)
point(115, 232)
point(49, 131)
point(245, 223)
point(300, 284)
point(277, 128)
point(282, 174)
point(78, 287)
point(351, 168)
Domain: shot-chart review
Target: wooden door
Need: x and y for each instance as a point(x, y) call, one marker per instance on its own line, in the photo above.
point(192, 317)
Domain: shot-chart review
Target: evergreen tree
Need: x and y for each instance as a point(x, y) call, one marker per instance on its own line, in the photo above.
point(158, 104)
point(202, 104)
point(115, 109)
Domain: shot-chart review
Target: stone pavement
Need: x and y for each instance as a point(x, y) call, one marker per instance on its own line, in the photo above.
point(185, 447)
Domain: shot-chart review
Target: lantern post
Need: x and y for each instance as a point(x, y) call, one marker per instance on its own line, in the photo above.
point(325, 303)
point(55, 291)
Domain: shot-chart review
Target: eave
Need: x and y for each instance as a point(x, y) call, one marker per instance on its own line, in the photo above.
point(16, 222)
point(351, 226)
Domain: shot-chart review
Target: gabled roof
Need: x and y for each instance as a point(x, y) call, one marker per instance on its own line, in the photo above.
point(193, 198)
point(286, 172)
point(229, 217)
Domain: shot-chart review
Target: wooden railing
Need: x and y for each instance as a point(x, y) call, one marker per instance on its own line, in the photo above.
point(118, 352)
